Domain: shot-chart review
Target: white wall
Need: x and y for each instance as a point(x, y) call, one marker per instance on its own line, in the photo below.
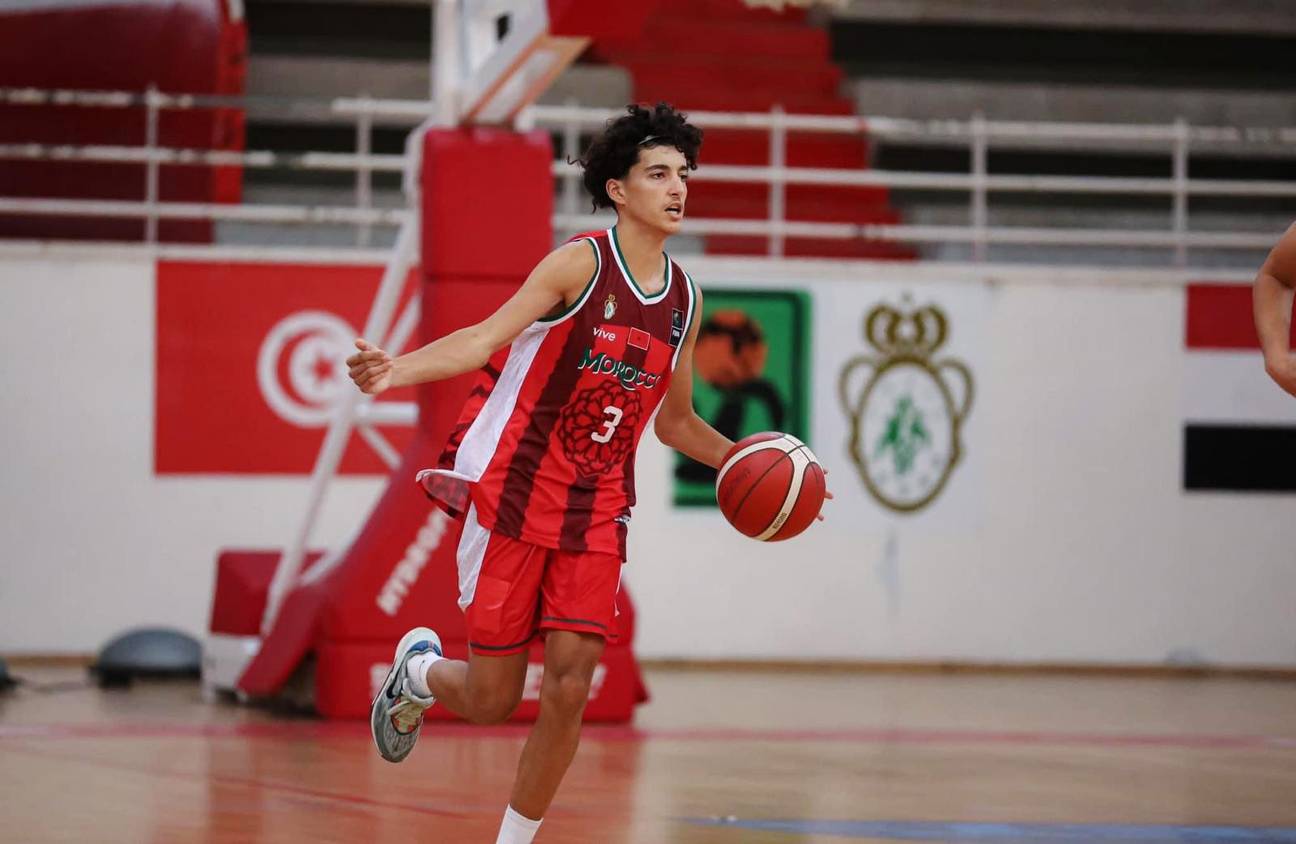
point(91, 542)
point(1063, 537)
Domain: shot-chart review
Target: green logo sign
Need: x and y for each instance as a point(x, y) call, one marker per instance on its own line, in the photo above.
point(750, 374)
point(904, 435)
point(905, 422)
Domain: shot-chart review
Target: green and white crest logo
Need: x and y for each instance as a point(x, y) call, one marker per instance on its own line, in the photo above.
point(905, 406)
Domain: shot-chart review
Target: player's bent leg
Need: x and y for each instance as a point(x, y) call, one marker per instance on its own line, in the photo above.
point(499, 590)
point(570, 660)
point(483, 690)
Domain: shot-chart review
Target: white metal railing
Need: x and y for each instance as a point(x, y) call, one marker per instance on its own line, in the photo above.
point(1176, 140)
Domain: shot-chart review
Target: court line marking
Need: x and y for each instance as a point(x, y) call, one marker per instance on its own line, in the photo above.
point(1018, 833)
point(597, 732)
point(464, 811)
point(1007, 833)
point(284, 789)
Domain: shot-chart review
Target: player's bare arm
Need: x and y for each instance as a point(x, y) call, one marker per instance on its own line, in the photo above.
point(1272, 295)
point(555, 282)
point(677, 424)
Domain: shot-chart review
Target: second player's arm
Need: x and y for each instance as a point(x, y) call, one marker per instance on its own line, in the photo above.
point(1272, 294)
point(678, 424)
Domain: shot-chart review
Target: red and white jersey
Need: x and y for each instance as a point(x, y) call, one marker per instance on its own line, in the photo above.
point(547, 439)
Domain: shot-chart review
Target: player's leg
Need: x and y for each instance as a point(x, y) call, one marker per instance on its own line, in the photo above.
point(499, 594)
point(578, 613)
point(485, 689)
point(499, 591)
point(570, 660)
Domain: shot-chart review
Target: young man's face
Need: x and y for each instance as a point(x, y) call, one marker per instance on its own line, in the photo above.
point(655, 189)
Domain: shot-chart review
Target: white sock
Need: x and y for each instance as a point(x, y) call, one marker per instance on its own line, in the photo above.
point(416, 670)
point(516, 829)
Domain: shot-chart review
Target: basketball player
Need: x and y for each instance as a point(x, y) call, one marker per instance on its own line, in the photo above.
point(597, 339)
point(1273, 310)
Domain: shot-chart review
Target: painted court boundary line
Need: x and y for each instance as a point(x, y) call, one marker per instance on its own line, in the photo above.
point(594, 732)
point(1012, 833)
point(984, 833)
point(279, 788)
point(451, 808)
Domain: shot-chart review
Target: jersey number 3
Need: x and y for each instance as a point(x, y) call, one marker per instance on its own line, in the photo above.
point(609, 425)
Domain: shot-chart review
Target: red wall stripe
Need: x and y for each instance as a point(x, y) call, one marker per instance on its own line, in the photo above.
point(1219, 316)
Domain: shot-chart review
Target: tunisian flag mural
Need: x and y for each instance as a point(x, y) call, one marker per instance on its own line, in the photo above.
point(249, 364)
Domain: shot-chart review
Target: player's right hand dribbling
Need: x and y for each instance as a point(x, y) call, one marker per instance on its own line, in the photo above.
point(370, 368)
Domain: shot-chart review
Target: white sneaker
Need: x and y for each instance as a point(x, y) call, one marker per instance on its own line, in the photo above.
point(397, 712)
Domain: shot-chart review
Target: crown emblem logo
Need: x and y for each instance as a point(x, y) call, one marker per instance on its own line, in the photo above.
point(905, 405)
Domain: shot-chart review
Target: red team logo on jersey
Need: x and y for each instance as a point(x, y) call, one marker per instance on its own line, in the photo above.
point(597, 428)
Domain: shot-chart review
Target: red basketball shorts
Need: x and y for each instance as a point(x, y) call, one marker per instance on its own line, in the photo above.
point(511, 591)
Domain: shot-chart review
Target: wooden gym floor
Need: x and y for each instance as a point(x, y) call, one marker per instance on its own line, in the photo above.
point(717, 757)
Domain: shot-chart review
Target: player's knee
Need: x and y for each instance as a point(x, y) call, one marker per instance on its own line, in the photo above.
point(492, 706)
point(566, 692)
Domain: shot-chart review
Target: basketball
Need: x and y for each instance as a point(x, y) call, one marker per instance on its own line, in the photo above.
point(770, 486)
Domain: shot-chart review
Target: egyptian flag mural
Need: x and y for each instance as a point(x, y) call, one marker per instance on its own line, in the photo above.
point(1240, 427)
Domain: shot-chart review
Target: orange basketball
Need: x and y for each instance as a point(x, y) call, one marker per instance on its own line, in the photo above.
point(770, 486)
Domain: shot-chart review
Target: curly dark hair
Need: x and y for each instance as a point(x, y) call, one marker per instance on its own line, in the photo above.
point(615, 151)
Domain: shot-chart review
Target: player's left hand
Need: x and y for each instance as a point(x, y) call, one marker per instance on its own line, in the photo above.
point(370, 368)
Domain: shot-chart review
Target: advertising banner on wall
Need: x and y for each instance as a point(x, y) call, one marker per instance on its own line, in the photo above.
point(751, 373)
point(250, 363)
point(896, 375)
point(879, 379)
